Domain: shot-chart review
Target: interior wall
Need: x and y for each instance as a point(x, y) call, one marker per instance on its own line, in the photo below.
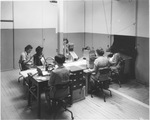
point(142, 45)
point(77, 39)
point(74, 24)
point(109, 18)
point(124, 17)
point(143, 18)
point(142, 61)
point(6, 34)
point(60, 25)
point(6, 46)
point(101, 16)
point(97, 23)
point(6, 10)
point(101, 40)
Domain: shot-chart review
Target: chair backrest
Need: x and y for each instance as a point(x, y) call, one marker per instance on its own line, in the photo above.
point(104, 77)
point(62, 91)
point(104, 73)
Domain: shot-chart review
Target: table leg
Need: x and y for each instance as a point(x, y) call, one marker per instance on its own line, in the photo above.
point(39, 100)
point(87, 77)
point(29, 93)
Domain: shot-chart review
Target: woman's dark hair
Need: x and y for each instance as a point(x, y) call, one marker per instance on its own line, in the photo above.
point(100, 51)
point(60, 58)
point(65, 39)
point(28, 47)
point(39, 49)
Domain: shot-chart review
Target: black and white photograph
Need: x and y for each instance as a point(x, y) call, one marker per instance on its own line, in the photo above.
point(74, 59)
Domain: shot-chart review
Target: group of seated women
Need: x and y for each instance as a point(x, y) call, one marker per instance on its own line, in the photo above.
point(61, 74)
point(26, 60)
point(100, 61)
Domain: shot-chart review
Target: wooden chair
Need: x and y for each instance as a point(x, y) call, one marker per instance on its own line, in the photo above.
point(58, 100)
point(102, 81)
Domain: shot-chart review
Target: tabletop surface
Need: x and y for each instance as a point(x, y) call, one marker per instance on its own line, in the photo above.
point(76, 65)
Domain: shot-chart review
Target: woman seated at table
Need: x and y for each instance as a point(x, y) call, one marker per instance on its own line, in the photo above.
point(115, 61)
point(26, 63)
point(38, 58)
point(26, 58)
point(66, 48)
point(100, 62)
point(60, 75)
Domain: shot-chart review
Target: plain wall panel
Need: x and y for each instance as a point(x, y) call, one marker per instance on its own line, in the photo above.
point(6, 49)
point(101, 16)
point(101, 40)
point(143, 18)
point(142, 61)
point(50, 43)
point(28, 14)
point(74, 21)
point(124, 17)
point(88, 17)
point(49, 15)
point(78, 40)
point(142, 45)
point(6, 10)
point(6, 35)
point(89, 39)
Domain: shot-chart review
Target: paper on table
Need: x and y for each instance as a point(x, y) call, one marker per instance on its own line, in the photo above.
point(42, 78)
point(77, 63)
point(45, 73)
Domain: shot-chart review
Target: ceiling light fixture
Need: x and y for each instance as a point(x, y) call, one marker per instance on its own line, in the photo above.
point(53, 1)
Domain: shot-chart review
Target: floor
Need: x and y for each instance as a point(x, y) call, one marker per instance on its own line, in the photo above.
point(133, 89)
point(119, 106)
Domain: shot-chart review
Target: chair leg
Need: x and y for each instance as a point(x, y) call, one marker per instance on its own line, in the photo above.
point(110, 92)
point(103, 94)
point(119, 82)
point(94, 90)
point(92, 93)
point(54, 106)
point(71, 114)
point(19, 79)
point(69, 111)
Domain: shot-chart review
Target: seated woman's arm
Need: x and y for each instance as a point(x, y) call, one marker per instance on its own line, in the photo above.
point(114, 59)
point(52, 79)
point(24, 60)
